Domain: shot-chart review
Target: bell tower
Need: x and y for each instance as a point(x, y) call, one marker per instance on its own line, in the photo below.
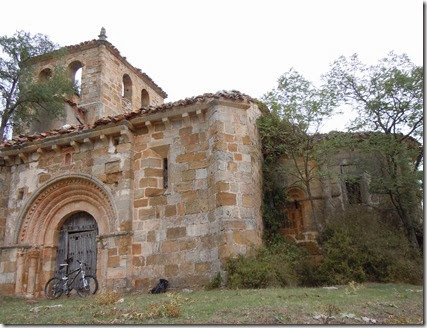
point(109, 85)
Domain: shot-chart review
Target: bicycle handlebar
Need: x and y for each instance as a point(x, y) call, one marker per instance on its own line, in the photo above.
point(67, 263)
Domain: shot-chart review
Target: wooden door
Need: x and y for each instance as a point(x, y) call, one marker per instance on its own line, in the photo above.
point(77, 239)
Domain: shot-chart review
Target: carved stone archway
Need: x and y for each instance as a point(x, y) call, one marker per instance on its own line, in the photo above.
point(62, 196)
point(41, 219)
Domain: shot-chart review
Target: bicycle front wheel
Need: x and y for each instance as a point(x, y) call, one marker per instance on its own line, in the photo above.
point(53, 288)
point(87, 286)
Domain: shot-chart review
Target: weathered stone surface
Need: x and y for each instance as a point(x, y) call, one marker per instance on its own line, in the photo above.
point(172, 190)
point(170, 210)
point(226, 198)
point(171, 270)
point(202, 267)
point(174, 233)
point(248, 200)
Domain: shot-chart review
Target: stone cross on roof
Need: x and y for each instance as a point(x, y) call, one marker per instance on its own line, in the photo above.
point(102, 36)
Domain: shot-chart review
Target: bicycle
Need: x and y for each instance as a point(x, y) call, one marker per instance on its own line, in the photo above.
point(87, 285)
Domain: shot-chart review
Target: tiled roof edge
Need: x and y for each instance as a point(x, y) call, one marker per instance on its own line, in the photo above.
point(232, 95)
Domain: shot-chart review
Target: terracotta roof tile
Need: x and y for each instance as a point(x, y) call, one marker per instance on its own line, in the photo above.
point(66, 129)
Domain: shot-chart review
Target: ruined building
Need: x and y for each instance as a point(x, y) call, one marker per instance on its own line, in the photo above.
point(141, 189)
point(138, 189)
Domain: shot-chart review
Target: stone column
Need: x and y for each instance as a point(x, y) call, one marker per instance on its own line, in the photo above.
point(31, 286)
point(19, 272)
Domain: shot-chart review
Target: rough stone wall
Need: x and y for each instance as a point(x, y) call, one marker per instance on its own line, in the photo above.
point(109, 160)
point(211, 207)
point(5, 188)
point(113, 70)
point(209, 210)
point(101, 85)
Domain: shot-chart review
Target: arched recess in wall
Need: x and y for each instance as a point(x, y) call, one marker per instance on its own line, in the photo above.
point(127, 88)
point(295, 210)
point(45, 74)
point(145, 98)
point(43, 215)
point(75, 70)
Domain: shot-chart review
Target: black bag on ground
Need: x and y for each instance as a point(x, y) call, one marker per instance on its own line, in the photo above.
point(161, 287)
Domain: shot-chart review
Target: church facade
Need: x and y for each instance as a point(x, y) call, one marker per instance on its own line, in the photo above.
point(141, 190)
point(137, 189)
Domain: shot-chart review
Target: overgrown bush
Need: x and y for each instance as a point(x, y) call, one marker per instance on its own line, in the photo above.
point(214, 283)
point(267, 267)
point(360, 246)
point(308, 272)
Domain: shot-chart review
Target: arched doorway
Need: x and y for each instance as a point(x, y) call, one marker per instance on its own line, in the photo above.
point(47, 214)
point(295, 209)
point(77, 240)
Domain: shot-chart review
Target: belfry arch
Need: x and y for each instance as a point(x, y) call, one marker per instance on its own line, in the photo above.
point(43, 217)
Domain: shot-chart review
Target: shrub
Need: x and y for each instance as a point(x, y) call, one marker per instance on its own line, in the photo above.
point(214, 283)
point(267, 267)
point(360, 246)
point(308, 273)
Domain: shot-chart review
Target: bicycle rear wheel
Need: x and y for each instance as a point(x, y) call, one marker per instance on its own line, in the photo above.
point(53, 288)
point(87, 286)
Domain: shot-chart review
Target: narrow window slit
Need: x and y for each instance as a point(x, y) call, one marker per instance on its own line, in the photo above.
point(165, 173)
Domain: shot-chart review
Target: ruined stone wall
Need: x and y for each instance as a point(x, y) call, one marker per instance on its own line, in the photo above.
point(330, 196)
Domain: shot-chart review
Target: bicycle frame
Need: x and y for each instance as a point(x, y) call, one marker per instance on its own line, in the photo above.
point(66, 282)
point(66, 276)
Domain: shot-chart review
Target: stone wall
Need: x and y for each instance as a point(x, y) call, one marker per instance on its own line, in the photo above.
point(181, 230)
point(103, 69)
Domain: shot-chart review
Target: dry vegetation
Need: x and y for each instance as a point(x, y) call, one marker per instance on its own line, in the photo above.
point(347, 304)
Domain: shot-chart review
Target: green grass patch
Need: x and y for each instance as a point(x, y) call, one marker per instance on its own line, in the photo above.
point(347, 304)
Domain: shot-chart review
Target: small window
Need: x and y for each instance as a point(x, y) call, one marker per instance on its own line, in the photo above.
point(116, 141)
point(45, 74)
point(67, 159)
point(21, 193)
point(75, 70)
point(165, 173)
point(354, 194)
point(127, 87)
point(145, 98)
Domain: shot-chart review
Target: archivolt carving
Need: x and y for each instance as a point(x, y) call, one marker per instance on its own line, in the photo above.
point(61, 197)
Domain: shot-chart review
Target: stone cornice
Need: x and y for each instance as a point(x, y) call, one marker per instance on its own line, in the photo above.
point(120, 125)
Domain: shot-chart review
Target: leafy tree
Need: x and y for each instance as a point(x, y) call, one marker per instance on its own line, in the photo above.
point(389, 99)
point(24, 97)
point(274, 133)
point(299, 110)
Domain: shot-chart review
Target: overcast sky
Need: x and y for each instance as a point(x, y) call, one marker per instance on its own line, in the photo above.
point(191, 47)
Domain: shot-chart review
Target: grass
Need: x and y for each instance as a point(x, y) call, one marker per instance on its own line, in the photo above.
point(349, 304)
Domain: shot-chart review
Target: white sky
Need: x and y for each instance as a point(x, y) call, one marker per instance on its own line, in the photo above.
point(189, 47)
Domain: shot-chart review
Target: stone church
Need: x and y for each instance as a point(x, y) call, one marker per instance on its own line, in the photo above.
point(136, 188)
point(140, 189)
